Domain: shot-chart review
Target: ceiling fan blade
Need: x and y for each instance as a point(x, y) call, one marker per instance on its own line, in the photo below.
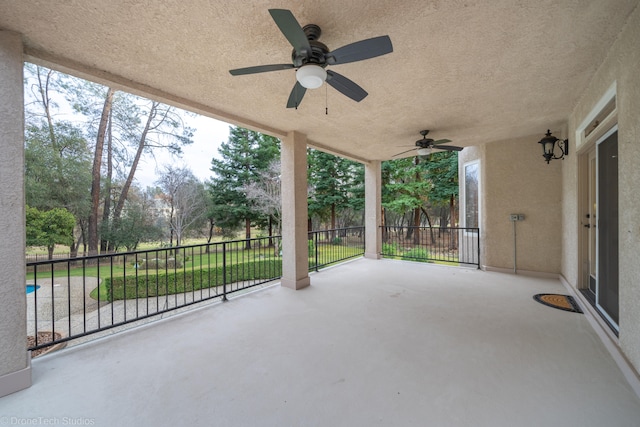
point(396, 155)
point(260, 69)
point(346, 86)
point(292, 30)
point(364, 49)
point(296, 95)
point(441, 141)
point(448, 148)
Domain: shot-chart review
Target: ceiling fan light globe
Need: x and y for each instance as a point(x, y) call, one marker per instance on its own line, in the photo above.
point(311, 76)
point(424, 151)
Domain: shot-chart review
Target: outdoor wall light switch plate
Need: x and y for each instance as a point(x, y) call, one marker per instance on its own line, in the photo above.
point(520, 217)
point(516, 217)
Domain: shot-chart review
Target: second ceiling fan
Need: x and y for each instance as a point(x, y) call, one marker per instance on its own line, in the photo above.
point(426, 145)
point(310, 58)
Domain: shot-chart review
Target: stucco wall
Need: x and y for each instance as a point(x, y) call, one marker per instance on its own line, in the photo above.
point(12, 214)
point(514, 178)
point(518, 180)
point(622, 66)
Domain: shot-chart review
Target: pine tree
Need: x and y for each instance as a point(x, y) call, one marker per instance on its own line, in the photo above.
point(337, 185)
point(243, 157)
point(414, 183)
point(441, 170)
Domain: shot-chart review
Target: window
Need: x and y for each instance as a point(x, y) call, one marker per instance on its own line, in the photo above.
point(471, 194)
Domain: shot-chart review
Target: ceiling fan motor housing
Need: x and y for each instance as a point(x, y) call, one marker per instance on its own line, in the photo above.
point(424, 142)
point(318, 50)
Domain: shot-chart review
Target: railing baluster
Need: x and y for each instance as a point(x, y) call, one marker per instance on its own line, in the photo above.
point(35, 302)
point(124, 278)
point(53, 304)
point(69, 295)
point(316, 249)
point(99, 306)
point(111, 275)
point(136, 268)
point(224, 271)
point(84, 296)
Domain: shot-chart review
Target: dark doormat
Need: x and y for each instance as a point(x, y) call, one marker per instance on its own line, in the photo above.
point(562, 302)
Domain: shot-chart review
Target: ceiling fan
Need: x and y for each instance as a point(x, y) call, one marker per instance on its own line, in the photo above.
point(310, 58)
point(426, 145)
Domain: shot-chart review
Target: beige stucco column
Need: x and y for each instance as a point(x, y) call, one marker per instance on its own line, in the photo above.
point(372, 209)
point(295, 249)
point(15, 363)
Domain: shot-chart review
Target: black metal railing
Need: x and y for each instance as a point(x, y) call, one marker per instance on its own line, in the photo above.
point(332, 246)
point(74, 297)
point(445, 245)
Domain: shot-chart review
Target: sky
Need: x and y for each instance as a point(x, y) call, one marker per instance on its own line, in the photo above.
point(208, 135)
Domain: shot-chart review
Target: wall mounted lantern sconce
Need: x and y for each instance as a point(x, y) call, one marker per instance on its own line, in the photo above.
point(549, 147)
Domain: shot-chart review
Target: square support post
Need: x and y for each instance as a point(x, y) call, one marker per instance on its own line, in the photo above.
point(15, 362)
point(373, 209)
point(295, 247)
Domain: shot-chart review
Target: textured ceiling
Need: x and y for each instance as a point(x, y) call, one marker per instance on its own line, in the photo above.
point(471, 71)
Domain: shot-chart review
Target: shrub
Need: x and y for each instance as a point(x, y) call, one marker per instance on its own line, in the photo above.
point(175, 262)
point(312, 246)
point(151, 264)
point(336, 241)
point(161, 263)
point(389, 248)
point(416, 254)
point(149, 285)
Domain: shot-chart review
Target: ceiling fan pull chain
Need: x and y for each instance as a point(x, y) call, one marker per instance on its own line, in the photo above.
point(326, 100)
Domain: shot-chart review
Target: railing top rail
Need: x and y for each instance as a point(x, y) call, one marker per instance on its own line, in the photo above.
point(168, 248)
point(353, 227)
point(145, 251)
point(437, 227)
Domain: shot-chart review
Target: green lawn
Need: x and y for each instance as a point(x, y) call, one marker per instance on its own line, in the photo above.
point(190, 263)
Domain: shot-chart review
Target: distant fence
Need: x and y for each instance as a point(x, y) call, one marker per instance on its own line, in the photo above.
point(447, 245)
point(74, 297)
point(44, 257)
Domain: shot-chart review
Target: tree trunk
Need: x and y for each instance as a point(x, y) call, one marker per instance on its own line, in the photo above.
point(50, 251)
point(171, 225)
point(452, 215)
point(409, 228)
point(270, 230)
point(416, 225)
point(83, 236)
point(333, 221)
point(104, 244)
point(43, 87)
point(73, 249)
point(210, 235)
point(141, 144)
point(433, 238)
point(385, 231)
point(247, 232)
point(95, 173)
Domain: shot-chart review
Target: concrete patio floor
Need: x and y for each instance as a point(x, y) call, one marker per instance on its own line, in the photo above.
point(370, 343)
